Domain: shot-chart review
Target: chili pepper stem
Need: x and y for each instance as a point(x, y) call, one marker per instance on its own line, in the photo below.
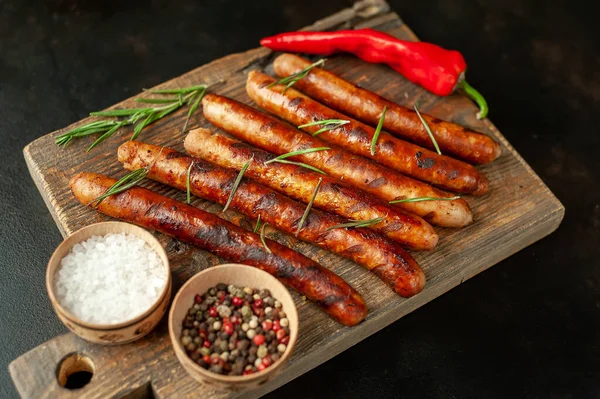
point(475, 96)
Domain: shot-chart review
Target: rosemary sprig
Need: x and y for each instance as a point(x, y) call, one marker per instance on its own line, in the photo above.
point(378, 130)
point(428, 129)
point(257, 224)
point(419, 199)
point(237, 182)
point(308, 207)
point(282, 158)
point(124, 183)
point(291, 80)
point(328, 124)
point(140, 117)
point(187, 183)
point(357, 223)
point(262, 237)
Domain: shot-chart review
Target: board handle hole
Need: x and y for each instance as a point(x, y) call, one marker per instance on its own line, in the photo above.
point(75, 371)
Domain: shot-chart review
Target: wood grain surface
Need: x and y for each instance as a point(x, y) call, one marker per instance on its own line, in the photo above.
point(518, 210)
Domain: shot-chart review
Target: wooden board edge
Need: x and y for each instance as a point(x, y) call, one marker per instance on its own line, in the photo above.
point(34, 171)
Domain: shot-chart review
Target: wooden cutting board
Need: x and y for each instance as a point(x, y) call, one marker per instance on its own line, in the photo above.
point(518, 211)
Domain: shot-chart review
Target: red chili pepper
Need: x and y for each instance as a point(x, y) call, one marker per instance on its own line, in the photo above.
point(436, 69)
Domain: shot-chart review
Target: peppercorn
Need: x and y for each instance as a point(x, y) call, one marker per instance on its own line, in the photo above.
point(190, 347)
point(258, 340)
point(280, 334)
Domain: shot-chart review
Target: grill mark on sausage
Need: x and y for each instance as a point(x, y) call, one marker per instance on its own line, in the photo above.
point(353, 249)
point(358, 134)
point(176, 154)
point(153, 208)
point(295, 102)
point(334, 159)
point(202, 167)
point(267, 126)
point(266, 203)
point(425, 163)
point(329, 301)
point(217, 235)
point(394, 226)
point(380, 181)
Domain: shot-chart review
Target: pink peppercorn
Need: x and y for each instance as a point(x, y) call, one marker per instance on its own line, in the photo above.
point(276, 326)
point(267, 325)
point(227, 328)
point(280, 334)
point(237, 301)
point(259, 339)
point(267, 360)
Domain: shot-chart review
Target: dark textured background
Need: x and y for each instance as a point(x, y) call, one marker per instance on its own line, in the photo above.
point(528, 327)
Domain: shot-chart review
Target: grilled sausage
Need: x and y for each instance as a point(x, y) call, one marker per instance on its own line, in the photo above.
point(205, 230)
point(271, 134)
point(366, 106)
point(299, 183)
point(409, 159)
point(214, 183)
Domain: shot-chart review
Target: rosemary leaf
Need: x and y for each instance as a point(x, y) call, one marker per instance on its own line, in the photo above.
point(140, 117)
point(308, 208)
point(302, 164)
point(237, 182)
point(299, 152)
point(262, 237)
point(257, 224)
point(184, 90)
point(328, 124)
point(104, 136)
point(291, 80)
point(357, 223)
point(193, 108)
point(378, 130)
point(120, 112)
point(419, 199)
point(124, 183)
point(158, 100)
point(428, 129)
point(187, 183)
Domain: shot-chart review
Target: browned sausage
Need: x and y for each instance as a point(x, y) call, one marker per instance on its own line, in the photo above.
point(377, 254)
point(364, 105)
point(278, 137)
point(299, 183)
point(409, 159)
point(205, 230)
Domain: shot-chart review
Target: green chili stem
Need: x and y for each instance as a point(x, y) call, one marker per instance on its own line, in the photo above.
point(475, 96)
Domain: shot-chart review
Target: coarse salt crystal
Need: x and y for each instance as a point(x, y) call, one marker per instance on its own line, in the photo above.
point(110, 279)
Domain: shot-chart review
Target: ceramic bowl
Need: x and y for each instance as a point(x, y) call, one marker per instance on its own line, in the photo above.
point(109, 334)
point(239, 275)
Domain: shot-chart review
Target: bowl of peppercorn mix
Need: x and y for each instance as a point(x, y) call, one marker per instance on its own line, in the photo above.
point(233, 326)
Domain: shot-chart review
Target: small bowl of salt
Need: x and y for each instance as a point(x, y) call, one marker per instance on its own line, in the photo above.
point(110, 282)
